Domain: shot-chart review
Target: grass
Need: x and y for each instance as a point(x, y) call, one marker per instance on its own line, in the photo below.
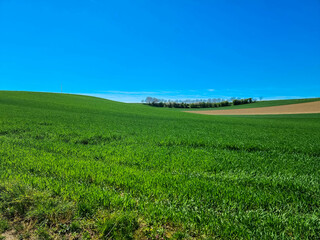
point(258, 104)
point(83, 167)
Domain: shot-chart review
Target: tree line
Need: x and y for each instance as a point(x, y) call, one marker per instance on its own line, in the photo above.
point(197, 103)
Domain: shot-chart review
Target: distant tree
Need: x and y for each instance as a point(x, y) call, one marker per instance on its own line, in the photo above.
point(196, 103)
point(236, 102)
point(148, 100)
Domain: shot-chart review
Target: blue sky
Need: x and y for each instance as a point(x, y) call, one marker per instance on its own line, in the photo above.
point(128, 50)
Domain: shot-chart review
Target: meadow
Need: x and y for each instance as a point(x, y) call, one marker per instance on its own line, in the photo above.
point(79, 167)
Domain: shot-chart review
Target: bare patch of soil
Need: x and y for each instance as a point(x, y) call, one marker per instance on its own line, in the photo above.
point(310, 107)
point(10, 235)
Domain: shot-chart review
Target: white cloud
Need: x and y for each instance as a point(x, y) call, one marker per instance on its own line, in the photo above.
point(128, 92)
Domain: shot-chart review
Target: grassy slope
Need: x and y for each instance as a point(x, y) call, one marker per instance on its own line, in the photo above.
point(104, 169)
point(259, 104)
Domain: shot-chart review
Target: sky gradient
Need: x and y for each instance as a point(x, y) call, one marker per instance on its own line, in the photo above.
point(128, 50)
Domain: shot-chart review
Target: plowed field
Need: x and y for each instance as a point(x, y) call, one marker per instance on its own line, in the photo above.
point(310, 107)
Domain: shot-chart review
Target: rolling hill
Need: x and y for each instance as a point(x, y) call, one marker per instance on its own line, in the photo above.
point(83, 167)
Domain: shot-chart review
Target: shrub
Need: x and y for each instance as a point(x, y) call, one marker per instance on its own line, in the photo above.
point(4, 225)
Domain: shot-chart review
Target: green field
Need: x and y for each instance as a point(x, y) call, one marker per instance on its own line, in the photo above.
point(258, 104)
point(81, 167)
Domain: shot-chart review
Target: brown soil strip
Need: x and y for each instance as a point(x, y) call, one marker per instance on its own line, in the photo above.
point(310, 107)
